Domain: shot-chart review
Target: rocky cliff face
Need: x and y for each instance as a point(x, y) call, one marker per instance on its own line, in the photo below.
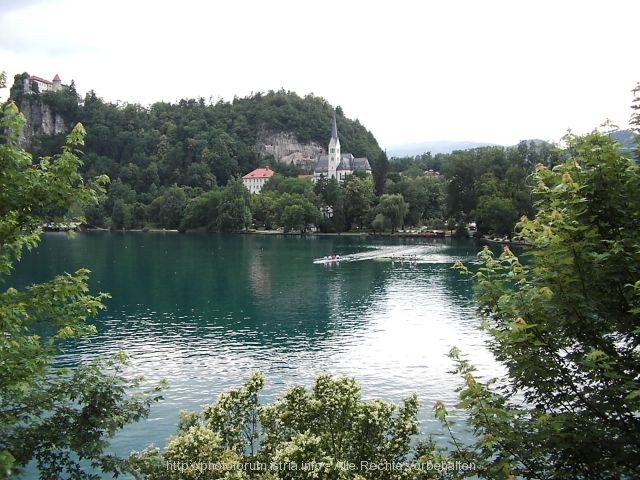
point(285, 148)
point(40, 120)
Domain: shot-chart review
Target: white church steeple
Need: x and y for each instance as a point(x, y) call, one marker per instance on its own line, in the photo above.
point(334, 151)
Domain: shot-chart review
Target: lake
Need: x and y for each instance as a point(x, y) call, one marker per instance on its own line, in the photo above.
point(202, 311)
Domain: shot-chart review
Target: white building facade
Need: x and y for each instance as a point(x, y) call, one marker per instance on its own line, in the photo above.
point(255, 180)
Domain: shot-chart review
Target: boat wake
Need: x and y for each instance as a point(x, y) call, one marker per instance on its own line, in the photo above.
point(414, 254)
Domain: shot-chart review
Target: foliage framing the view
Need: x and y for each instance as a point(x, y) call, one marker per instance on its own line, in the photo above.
point(566, 325)
point(328, 432)
point(61, 418)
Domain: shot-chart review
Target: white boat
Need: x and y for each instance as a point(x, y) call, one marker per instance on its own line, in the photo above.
point(325, 260)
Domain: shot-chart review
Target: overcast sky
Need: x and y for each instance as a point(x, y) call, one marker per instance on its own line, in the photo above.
point(410, 71)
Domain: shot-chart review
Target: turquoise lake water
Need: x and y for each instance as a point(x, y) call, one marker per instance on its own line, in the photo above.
point(202, 311)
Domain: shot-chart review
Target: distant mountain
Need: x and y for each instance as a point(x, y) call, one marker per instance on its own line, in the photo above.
point(626, 140)
point(439, 146)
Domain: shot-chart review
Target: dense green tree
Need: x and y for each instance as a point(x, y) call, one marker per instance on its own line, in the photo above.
point(95, 216)
point(493, 172)
point(380, 223)
point(327, 432)
point(222, 159)
point(122, 215)
point(434, 204)
point(263, 207)
point(359, 198)
point(394, 209)
point(296, 186)
point(425, 196)
point(461, 194)
point(149, 177)
point(379, 169)
point(420, 163)
point(338, 216)
point(60, 418)
point(292, 218)
point(234, 211)
point(130, 174)
point(394, 177)
point(331, 197)
point(564, 323)
point(16, 92)
point(294, 211)
point(202, 211)
point(461, 172)
point(168, 210)
point(273, 183)
point(495, 215)
point(119, 190)
point(139, 215)
point(328, 190)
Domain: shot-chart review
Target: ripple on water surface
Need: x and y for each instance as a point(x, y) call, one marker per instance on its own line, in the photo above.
point(387, 321)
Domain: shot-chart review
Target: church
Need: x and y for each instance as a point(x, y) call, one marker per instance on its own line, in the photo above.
point(336, 164)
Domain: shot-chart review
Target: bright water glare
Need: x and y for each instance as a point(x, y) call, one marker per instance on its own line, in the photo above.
point(202, 311)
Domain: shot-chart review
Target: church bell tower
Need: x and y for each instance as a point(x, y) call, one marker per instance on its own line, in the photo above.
point(334, 151)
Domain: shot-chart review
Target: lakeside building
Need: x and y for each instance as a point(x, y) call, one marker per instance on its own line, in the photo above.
point(255, 180)
point(336, 164)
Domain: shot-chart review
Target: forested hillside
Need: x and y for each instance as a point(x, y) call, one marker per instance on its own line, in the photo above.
point(177, 166)
point(183, 150)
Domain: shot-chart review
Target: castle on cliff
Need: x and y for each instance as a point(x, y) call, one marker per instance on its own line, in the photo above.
point(336, 164)
point(39, 84)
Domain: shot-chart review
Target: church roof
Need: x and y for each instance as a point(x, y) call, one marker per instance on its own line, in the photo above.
point(39, 79)
point(322, 165)
point(361, 163)
point(345, 161)
point(349, 162)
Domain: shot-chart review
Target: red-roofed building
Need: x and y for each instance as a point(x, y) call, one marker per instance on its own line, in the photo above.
point(255, 180)
point(39, 84)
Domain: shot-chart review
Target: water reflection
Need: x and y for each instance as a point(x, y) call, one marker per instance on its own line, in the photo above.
point(204, 310)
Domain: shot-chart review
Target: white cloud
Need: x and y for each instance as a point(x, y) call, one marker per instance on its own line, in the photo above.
point(410, 71)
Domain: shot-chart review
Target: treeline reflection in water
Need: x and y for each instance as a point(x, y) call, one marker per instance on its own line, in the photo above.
point(201, 311)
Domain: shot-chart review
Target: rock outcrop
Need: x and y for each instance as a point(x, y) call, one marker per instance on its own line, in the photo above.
point(40, 120)
point(285, 148)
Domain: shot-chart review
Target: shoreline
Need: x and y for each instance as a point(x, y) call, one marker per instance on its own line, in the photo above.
point(442, 234)
point(399, 234)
